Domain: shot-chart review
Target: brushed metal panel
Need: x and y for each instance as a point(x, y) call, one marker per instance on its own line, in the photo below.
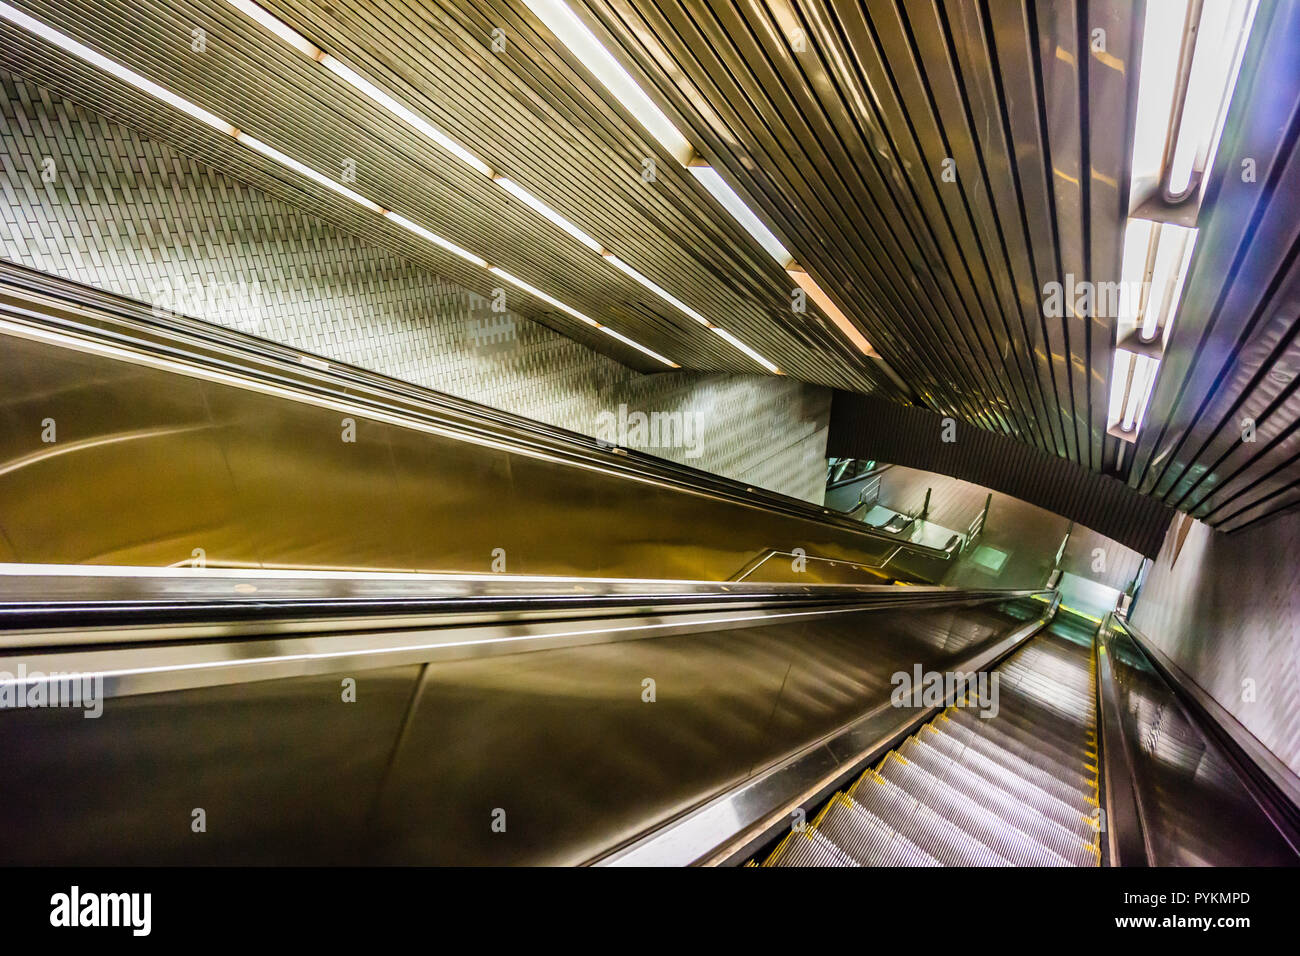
point(136, 475)
point(285, 770)
point(1195, 810)
point(308, 498)
point(564, 743)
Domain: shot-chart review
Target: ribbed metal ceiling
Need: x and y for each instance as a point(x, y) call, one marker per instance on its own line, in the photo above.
point(837, 122)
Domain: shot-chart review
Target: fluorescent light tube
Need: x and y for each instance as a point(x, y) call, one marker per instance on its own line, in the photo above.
point(535, 204)
point(435, 239)
point(747, 350)
point(730, 201)
point(653, 287)
point(1220, 43)
point(278, 27)
point(573, 33)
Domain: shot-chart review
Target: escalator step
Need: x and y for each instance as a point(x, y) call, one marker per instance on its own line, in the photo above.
point(1068, 814)
point(989, 828)
point(867, 839)
point(1036, 753)
point(1059, 829)
point(940, 838)
point(1073, 791)
point(1070, 743)
point(807, 847)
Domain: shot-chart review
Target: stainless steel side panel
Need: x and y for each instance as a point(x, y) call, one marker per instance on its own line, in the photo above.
point(164, 454)
point(1194, 809)
point(555, 732)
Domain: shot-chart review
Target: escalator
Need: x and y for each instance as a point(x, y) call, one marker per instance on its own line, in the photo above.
point(1015, 788)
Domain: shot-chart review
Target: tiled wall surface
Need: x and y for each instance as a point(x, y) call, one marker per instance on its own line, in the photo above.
point(91, 200)
point(1228, 612)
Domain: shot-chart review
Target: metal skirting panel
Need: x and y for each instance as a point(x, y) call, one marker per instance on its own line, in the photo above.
point(134, 216)
point(488, 756)
point(1226, 609)
point(866, 427)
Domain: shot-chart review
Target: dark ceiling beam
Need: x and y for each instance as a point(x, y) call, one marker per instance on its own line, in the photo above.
point(866, 427)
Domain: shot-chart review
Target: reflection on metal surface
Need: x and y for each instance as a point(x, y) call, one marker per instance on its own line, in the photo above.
point(253, 460)
point(453, 724)
point(733, 824)
point(1193, 809)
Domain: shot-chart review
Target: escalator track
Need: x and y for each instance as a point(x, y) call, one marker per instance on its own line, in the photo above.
point(1016, 788)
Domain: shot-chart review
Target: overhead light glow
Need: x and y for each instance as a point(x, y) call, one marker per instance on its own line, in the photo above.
point(83, 52)
point(582, 43)
point(825, 303)
point(727, 198)
point(747, 350)
point(1191, 56)
point(664, 294)
point(535, 204)
point(637, 345)
point(1220, 44)
point(278, 27)
point(435, 239)
point(270, 152)
point(404, 113)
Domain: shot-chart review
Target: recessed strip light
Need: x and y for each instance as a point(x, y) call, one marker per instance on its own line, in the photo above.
point(359, 82)
point(571, 31)
point(667, 296)
point(278, 27)
point(1184, 90)
point(747, 350)
point(85, 53)
point(534, 291)
point(535, 204)
point(727, 198)
point(270, 152)
point(828, 306)
point(435, 239)
point(674, 142)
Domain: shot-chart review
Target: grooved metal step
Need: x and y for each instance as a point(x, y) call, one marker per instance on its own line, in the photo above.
point(937, 836)
point(1018, 788)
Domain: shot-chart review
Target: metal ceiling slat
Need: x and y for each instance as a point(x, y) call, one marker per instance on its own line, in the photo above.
point(891, 31)
point(933, 43)
point(973, 39)
point(843, 164)
point(916, 227)
point(1251, 389)
point(787, 123)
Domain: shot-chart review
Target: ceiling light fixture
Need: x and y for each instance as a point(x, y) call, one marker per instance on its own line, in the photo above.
point(116, 69)
point(354, 79)
point(1191, 56)
point(582, 43)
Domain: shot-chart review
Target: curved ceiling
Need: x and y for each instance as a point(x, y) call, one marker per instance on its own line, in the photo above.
point(933, 164)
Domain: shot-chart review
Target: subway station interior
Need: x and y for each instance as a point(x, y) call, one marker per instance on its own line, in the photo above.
point(650, 433)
